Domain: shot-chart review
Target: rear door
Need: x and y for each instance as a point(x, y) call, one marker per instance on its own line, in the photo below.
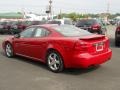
point(39, 43)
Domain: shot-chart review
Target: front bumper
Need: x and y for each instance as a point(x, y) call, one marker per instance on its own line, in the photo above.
point(87, 60)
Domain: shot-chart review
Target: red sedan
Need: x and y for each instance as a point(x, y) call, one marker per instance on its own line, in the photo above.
point(59, 46)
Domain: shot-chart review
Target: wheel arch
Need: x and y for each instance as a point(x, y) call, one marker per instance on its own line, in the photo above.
point(6, 42)
point(58, 51)
point(9, 43)
point(52, 49)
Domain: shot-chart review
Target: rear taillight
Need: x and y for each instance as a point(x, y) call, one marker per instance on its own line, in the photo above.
point(81, 46)
point(118, 29)
point(96, 27)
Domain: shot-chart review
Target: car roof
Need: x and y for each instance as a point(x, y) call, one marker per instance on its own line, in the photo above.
point(49, 25)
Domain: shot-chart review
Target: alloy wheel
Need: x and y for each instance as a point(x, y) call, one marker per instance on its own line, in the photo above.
point(54, 62)
point(9, 50)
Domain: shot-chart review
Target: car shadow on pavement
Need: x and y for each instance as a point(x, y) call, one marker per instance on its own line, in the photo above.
point(44, 66)
point(33, 62)
point(65, 71)
point(80, 71)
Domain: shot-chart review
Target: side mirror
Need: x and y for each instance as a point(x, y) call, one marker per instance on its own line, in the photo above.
point(17, 36)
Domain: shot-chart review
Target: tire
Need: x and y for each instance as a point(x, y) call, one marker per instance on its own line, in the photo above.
point(116, 43)
point(9, 50)
point(55, 61)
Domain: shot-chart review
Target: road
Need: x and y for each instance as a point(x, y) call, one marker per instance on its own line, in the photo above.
point(23, 74)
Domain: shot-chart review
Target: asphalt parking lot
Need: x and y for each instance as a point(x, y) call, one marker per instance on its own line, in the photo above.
point(23, 74)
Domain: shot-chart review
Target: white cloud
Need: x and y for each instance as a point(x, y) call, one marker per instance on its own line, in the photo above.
point(84, 6)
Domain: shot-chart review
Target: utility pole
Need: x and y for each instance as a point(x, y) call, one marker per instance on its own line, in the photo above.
point(50, 8)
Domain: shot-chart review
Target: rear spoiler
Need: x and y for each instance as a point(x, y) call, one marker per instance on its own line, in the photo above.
point(92, 37)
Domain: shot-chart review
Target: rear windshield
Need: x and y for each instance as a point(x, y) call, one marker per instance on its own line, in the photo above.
point(71, 31)
point(86, 22)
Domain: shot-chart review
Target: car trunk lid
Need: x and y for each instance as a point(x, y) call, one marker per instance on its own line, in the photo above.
point(93, 44)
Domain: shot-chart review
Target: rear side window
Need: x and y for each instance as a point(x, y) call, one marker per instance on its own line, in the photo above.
point(41, 32)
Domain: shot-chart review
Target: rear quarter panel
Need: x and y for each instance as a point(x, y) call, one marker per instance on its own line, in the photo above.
point(64, 47)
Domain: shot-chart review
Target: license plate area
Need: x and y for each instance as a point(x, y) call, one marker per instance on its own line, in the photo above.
point(99, 46)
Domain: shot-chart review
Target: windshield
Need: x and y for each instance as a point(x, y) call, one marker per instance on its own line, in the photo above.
point(71, 31)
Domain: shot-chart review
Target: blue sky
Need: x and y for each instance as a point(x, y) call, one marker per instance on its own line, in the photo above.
point(39, 6)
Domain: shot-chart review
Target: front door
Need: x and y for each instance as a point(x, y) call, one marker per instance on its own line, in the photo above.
point(22, 44)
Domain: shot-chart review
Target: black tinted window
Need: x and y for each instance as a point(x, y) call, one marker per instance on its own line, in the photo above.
point(81, 23)
point(69, 30)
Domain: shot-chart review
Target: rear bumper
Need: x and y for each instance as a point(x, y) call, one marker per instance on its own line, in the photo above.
point(86, 60)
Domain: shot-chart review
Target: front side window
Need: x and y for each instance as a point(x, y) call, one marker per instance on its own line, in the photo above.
point(27, 33)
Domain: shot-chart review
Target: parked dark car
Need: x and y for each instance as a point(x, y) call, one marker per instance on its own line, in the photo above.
point(2, 27)
point(14, 27)
point(7, 27)
point(117, 35)
point(21, 25)
point(112, 22)
point(92, 25)
point(38, 22)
